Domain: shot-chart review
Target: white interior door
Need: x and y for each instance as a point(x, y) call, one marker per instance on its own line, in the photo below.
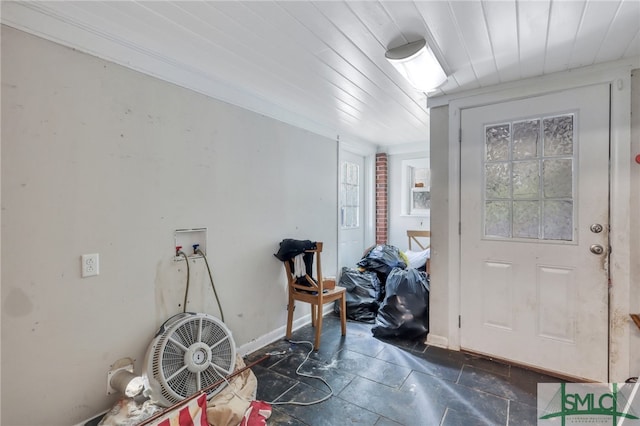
point(351, 208)
point(534, 231)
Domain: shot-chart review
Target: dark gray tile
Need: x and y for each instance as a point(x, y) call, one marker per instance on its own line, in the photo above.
point(356, 340)
point(383, 421)
point(333, 411)
point(289, 366)
point(278, 346)
point(279, 416)
point(470, 359)
point(387, 382)
point(432, 363)
point(520, 374)
point(487, 364)
point(271, 384)
point(457, 418)
point(477, 403)
point(505, 387)
point(331, 340)
point(363, 343)
point(522, 414)
point(307, 333)
point(358, 325)
point(300, 395)
point(416, 345)
point(404, 406)
point(371, 368)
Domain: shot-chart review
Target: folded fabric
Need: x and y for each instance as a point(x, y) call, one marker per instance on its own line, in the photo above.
point(417, 259)
point(299, 268)
point(290, 248)
point(192, 414)
point(257, 414)
point(227, 407)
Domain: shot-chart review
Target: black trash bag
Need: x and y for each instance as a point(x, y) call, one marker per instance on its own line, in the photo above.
point(362, 294)
point(405, 309)
point(382, 258)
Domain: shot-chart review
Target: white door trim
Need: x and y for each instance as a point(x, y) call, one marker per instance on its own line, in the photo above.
point(620, 80)
point(368, 152)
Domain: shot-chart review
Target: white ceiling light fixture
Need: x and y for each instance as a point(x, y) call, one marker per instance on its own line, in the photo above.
point(417, 63)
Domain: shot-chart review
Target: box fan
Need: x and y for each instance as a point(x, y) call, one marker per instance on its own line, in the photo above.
point(191, 352)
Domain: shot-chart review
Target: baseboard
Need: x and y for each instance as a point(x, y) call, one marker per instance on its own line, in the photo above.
point(93, 421)
point(436, 340)
point(272, 336)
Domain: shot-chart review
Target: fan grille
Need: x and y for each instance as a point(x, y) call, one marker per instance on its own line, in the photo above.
point(193, 353)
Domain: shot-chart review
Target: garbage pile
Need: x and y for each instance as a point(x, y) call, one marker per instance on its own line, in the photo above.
point(384, 291)
point(236, 404)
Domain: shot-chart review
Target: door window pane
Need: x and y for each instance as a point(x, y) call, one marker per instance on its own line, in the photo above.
point(529, 179)
point(498, 219)
point(558, 220)
point(525, 139)
point(526, 219)
point(497, 142)
point(526, 182)
point(558, 135)
point(498, 180)
point(557, 178)
point(349, 195)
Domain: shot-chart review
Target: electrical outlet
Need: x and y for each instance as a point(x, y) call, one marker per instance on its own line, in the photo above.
point(90, 265)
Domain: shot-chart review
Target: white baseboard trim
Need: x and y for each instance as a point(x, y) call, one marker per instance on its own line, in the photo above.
point(278, 333)
point(93, 418)
point(439, 341)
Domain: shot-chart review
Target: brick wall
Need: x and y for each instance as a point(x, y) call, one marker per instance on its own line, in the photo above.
point(381, 198)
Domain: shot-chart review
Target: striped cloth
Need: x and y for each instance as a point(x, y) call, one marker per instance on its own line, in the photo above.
point(192, 414)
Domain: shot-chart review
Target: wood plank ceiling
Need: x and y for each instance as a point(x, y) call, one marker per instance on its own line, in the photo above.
point(320, 65)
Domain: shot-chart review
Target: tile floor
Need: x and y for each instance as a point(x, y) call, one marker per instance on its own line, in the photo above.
point(391, 382)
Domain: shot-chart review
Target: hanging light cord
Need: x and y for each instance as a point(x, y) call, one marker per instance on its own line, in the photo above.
point(213, 286)
point(186, 290)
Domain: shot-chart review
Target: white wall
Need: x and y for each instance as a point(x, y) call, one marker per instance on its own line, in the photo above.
point(97, 158)
point(439, 299)
point(399, 221)
point(634, 236)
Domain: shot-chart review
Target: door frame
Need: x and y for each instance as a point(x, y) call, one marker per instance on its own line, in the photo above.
point(368, 152)
point(445, 321)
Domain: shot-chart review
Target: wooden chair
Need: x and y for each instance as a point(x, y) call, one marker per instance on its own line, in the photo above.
point(314, 294)
point(414, 237)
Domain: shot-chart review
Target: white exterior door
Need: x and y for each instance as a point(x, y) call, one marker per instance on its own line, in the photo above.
point(534, 231)
point(351, 208)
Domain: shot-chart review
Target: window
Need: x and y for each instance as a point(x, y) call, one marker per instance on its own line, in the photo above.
point(416, 187)
point(529, 180)
point(349, 195)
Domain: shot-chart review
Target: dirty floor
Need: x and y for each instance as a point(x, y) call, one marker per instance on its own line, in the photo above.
point(390, 382)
